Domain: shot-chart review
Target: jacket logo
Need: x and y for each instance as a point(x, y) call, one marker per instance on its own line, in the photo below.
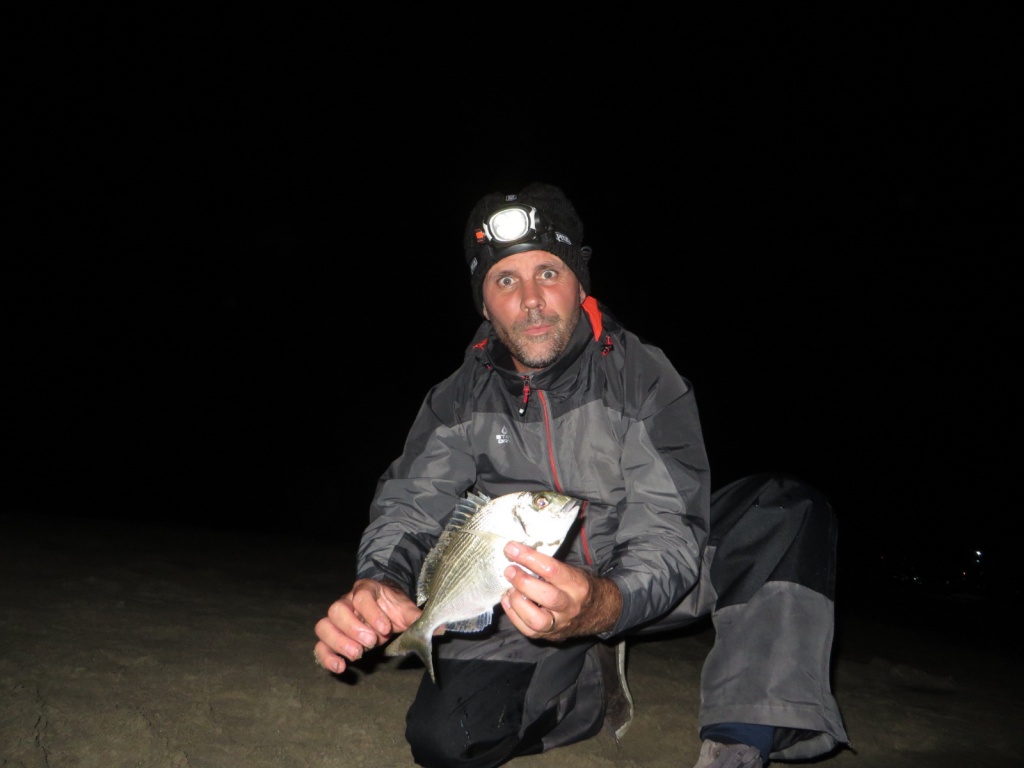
point(502, 437)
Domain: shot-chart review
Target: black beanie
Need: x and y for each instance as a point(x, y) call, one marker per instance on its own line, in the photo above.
point(557, 230)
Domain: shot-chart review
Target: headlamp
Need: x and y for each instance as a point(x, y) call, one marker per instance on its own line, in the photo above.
point(514, 224)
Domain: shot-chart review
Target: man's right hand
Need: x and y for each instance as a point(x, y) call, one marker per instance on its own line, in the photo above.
point(364, 617)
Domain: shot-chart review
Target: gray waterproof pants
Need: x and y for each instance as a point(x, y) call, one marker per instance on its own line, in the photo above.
point(767, 581)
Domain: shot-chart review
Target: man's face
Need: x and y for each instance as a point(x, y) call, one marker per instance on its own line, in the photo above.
point(533, 300)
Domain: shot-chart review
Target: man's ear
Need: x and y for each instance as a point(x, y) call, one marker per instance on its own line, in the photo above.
point(484, 310)
point(583, 295)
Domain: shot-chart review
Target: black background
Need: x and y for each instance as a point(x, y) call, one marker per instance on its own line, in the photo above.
point(235, 258)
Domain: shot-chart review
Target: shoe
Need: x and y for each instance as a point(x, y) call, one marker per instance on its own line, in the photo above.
point(715, 755)
point(618, 712)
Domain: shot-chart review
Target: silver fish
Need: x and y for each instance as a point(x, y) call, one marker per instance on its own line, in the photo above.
point(463, 576)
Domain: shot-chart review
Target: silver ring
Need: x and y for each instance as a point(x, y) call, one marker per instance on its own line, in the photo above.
point(552, 627)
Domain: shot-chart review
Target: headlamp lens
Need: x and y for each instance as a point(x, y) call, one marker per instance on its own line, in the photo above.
point(511, 224)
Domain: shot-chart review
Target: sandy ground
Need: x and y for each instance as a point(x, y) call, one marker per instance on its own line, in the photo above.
point(123, 645)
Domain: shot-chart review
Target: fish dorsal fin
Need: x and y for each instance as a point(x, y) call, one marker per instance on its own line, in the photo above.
point(464, 511)
point(465, 508)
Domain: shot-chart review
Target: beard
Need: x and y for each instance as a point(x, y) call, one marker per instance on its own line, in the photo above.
point(539, 352)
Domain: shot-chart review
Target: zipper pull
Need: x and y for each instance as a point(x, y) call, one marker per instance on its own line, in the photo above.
point(526, 396)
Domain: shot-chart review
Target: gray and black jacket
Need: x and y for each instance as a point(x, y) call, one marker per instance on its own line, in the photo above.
point(611, 423)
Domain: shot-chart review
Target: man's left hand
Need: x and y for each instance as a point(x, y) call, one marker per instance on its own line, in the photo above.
point(560, 601)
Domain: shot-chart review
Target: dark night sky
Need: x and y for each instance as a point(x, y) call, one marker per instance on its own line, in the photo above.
point(238, 268)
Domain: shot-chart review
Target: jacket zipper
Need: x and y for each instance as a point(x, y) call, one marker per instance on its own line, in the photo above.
point(526, 395)
point(554, 469)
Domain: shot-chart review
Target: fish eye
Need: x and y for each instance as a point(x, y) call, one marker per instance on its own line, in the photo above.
point(542, 501)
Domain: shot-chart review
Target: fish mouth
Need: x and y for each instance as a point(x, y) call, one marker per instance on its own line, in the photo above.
point(571, 507)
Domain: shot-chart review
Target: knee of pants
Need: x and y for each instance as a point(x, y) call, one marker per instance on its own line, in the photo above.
point(464, 722)
point(442, 744)
point(771, 528)
point(448, 743)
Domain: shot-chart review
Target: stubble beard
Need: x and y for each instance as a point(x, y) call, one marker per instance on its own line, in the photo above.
point(539, 352)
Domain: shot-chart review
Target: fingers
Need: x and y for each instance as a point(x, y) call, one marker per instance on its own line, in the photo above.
point(528, 617)
point(556, 586)
point(546, 602)
point(364, 618)
point(543, 565)
point(527, 608)
point(370, 607)
point(334, 650)
point(355, 615)
point(328, 659)
point(341, 636)
point(399, 612)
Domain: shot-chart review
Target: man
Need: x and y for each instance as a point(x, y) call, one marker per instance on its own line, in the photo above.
point(554, 393)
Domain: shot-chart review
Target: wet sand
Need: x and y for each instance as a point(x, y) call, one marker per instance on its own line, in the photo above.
point(149, 645)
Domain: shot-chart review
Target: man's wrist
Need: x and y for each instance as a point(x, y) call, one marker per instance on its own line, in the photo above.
point(600, 612)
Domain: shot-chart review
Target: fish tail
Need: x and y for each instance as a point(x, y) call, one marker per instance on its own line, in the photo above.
point(419, 643)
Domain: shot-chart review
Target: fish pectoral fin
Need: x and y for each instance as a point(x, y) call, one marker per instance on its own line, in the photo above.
point(474, 624)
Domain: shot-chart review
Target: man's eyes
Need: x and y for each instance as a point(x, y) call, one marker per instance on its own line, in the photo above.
point(506, 281)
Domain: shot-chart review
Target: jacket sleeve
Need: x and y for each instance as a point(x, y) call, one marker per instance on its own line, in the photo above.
point(417, 494)
point(664, 518)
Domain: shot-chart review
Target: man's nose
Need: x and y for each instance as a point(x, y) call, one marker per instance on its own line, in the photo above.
point(533, 297)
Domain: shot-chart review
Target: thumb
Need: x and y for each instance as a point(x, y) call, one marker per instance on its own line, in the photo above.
point(399, 609)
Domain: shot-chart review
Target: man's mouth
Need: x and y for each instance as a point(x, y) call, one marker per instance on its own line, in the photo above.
point(537, 330)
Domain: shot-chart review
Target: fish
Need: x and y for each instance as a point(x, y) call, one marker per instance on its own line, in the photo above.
point(463, 576)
